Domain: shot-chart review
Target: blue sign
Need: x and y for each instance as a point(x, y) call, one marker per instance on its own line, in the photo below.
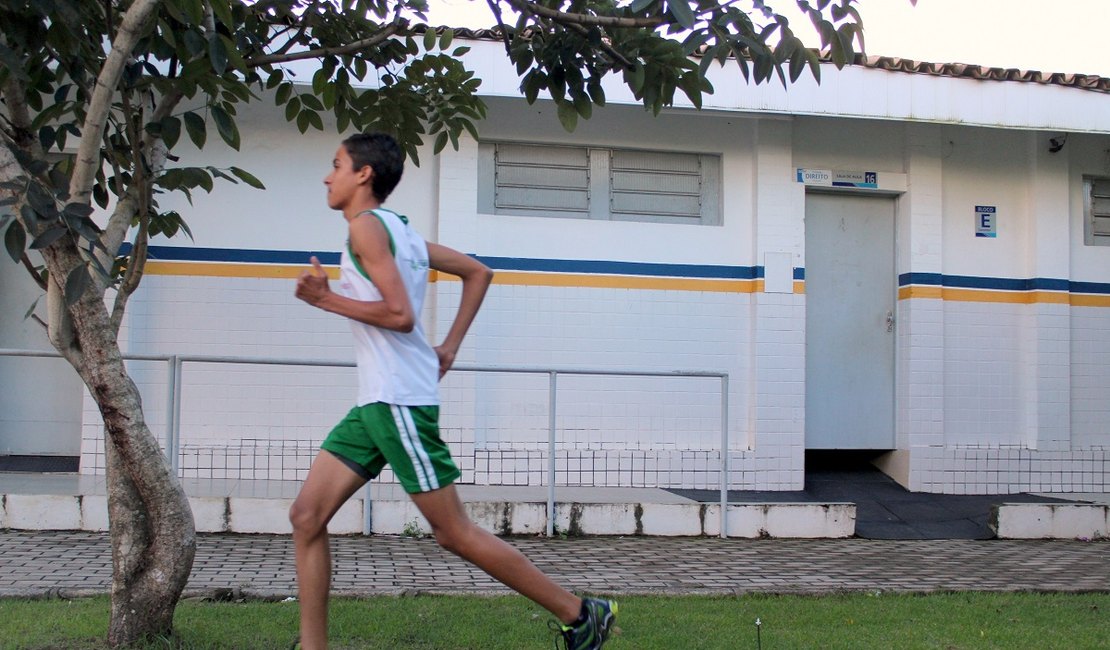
point(986, 221)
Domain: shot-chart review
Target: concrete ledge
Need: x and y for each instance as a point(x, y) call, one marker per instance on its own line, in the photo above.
point(1050, 521)
point(400, 516)
point(785, 520)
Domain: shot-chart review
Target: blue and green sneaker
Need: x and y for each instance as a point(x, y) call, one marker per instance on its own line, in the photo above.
point(593, 626)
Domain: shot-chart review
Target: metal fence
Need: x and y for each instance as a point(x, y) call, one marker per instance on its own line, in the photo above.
point(174, 379)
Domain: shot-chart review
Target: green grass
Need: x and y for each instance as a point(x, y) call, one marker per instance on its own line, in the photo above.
point(944, 621)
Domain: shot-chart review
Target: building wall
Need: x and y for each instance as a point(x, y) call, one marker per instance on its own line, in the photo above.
point(1000, 382)
point(40, 405)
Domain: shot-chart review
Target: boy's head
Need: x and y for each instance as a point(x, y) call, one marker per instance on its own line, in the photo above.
point(381, 153)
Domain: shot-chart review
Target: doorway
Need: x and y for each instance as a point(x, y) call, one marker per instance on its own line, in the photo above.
point(850, 290)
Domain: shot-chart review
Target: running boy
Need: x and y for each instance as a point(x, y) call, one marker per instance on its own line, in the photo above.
point(383, 274)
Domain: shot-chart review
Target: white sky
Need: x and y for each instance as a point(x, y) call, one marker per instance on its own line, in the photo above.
point(1045, 35)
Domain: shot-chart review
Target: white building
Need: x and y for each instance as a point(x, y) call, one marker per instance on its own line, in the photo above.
point(905, 259)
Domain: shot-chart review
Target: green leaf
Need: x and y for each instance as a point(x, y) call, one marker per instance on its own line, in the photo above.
point(446, 38)
point(171, 131)
point(247, 178)
point(41, 201)
point(49, 237)
point(222, 9)
point(639, 5)
point(470, 128)
point(31, 310)
point(226, 127)
point(15, 240)
point(583, 106)
point(682, 13)
point(78, 210)
point(76, 283)
point(47, 137)
point(441, 142)
point(195, 127)
point(597, 93)
point(292, 109)
point(302, 121)
point(319, 81)
point(217, 54)
point(429, 39)
point(568, 116)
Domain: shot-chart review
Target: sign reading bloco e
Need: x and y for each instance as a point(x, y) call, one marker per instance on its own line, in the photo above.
point(831, 178)
point(986, 221)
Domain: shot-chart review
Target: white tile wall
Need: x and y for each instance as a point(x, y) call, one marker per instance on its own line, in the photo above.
point(1090, 378)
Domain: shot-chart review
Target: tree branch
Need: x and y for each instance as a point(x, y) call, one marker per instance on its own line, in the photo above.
point(88, 152)
point(134, 273)
point(608, 49)
point(496, 9)
point(350, 48)
point(142, 176)
point(129, 204)
point(19, 115)
point(564, 18)
point(33, 271)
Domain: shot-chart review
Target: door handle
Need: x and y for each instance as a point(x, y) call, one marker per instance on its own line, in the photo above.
point(890, 321)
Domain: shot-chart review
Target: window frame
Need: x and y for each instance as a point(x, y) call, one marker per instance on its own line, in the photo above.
point(600, 185)
point(1090, 237)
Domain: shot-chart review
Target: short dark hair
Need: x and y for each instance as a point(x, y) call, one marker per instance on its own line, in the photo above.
point(383, 154)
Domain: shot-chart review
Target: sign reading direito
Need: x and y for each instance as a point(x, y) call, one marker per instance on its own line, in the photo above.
point(833, 178)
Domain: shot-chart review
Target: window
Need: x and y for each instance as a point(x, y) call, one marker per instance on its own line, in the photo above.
point(599, 183)
point(1097, 211)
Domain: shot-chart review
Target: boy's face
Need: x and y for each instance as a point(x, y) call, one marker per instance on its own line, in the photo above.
point(344, 183)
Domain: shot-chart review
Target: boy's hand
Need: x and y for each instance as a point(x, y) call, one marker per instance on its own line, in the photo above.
point(446, 359)
point(312, 285)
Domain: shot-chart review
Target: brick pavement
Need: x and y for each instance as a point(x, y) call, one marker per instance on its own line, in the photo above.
point(79, 563)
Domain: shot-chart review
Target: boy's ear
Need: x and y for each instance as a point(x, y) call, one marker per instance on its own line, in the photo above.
point(365, 174)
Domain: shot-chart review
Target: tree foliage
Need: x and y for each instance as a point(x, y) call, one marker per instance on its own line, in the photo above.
point(96, 96)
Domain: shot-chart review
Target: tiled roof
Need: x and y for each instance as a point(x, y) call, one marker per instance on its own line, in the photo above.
point(967, 71)
point(896, 64)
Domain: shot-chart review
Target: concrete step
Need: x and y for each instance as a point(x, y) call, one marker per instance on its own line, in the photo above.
point(399, 516)
point(1088, 521)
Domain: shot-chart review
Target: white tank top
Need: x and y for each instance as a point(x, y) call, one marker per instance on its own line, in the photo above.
point(393, 367)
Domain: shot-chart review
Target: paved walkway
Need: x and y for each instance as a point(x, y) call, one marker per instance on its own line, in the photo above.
point(79, 563)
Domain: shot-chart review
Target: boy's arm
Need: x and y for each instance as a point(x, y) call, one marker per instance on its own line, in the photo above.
point(370, 242)
point(476, 278)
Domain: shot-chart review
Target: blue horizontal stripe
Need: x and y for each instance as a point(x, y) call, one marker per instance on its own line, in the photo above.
point(1002, 284)
point(619, 268)
point(243, 255)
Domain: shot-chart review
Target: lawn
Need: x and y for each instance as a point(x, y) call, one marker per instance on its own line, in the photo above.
point(945, 621)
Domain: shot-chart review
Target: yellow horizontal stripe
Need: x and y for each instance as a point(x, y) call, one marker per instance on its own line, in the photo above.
point(227, 270)
point(623, 282)
point(512, 278)
point(1089, 300)
point(1010, 297)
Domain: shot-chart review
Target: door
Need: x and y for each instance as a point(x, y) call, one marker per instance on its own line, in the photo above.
point(850, 298)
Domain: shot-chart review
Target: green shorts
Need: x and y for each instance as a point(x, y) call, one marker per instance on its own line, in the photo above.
point(406, 437)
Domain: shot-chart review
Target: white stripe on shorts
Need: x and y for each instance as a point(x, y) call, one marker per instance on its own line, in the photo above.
point(410, 438)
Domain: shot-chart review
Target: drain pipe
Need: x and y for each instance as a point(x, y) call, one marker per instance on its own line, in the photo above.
point(367, 511)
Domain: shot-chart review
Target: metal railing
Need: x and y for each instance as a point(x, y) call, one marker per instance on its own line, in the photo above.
point(175, 363)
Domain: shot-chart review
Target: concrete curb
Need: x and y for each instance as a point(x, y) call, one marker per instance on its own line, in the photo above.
point(395, 517)
point(1083, 521)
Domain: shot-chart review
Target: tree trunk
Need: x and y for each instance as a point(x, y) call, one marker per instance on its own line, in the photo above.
point(152, 531)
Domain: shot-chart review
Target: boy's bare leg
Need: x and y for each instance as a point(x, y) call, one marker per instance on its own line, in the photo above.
point(455, 532)
point(328, 486)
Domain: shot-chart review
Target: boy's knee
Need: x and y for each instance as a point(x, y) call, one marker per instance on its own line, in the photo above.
point(456, 539)
point(305, 519)
point(448, 541)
